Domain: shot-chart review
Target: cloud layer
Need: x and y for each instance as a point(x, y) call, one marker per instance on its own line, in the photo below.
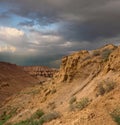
point(42, 31)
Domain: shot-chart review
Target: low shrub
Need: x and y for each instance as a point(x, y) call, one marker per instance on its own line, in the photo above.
point(34, 120)
point(38, 114)
point(100, 89)
point(105, 87)
point(40, 119)
point(7, 115)
point(82, 103)
point(105, 54)
point(4, 117)
point(72, 100)
point(28, 122)
point(110, 86)
point(116, 115)
point(50, 116)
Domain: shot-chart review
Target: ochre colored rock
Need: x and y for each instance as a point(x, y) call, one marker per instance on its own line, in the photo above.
point(80, 65)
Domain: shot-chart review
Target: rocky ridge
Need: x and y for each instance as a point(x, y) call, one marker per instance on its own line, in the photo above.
point(80, 65)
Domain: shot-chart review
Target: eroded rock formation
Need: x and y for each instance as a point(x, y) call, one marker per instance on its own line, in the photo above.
point(40, 71)
point(82, 64)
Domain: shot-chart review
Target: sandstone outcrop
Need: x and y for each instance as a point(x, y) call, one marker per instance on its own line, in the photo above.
point(82, 64)
point(114, 61)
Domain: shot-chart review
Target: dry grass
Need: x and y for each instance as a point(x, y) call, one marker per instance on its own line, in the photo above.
point(81, 104)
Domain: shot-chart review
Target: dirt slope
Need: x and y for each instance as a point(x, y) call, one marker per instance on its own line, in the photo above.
point(13, 79)
point(84, 92)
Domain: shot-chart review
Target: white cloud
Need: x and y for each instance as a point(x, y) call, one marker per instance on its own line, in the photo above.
point(11, 37)
point(67, 44)
point(9, 32)
point(40, 39)
point(51, 38)
point(7, 48)
point(14, 40)
point(31, 50)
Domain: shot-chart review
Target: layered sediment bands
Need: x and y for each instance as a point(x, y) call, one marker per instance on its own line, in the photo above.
point(40, 71)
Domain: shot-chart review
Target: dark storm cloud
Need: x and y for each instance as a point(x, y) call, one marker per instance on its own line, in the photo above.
point(83, 20)
point(91, 30)
point(82, 24)
point(93, 22)
point(27, 23)
point(26, 59)
point(4, 16)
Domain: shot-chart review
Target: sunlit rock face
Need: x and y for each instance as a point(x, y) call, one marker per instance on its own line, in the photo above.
point(80, 65)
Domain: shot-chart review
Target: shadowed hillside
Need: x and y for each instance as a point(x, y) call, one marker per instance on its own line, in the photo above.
point(13, 79)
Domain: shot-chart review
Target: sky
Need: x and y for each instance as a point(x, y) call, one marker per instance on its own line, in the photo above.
point(41, 32)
